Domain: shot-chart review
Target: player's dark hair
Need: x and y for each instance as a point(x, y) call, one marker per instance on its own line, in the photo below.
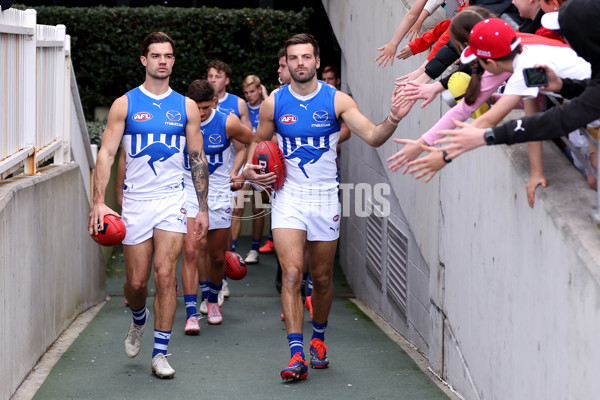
point(155, 37)
point(460, 31)
point(219, 66)
point(281, 53)
point(201, 90)
point(303, 38)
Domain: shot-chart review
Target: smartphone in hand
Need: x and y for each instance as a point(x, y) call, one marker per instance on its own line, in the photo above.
point(535, 77)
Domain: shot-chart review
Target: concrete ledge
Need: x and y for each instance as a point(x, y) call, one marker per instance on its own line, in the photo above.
point(50, 269)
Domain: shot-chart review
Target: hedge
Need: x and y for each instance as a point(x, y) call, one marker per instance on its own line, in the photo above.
point(105, 44)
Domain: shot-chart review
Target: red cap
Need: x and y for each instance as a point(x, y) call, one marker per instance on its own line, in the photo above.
point(490, 38)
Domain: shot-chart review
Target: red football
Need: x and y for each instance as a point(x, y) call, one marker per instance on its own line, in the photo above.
point(112, 233)
point(235, 267)
point(268, 155)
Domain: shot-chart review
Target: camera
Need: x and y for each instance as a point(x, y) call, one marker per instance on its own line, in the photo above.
point(535, 77)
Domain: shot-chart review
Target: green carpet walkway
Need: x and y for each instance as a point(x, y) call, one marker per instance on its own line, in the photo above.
point(239, 359)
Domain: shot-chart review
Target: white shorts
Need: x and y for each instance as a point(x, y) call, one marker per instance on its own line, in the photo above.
point(219, 212)
point(141, 217)
point(320, 221)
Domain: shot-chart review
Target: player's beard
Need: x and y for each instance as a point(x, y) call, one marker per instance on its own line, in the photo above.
point(159, 75)
point(310, 74)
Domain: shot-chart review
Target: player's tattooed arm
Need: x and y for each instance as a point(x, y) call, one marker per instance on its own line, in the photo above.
point(199, 167)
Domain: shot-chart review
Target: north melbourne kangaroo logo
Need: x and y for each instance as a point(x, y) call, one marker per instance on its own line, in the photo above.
point(157, 152)
point(307, 155)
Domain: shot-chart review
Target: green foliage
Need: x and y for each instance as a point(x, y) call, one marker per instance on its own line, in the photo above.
point(105, 44)
point(95, 131)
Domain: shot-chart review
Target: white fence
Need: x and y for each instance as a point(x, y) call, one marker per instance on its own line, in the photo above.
point(38, 95)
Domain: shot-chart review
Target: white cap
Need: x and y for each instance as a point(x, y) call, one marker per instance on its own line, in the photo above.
point(550, 21)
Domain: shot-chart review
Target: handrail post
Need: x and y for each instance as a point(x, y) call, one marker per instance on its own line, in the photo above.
point(28, 101)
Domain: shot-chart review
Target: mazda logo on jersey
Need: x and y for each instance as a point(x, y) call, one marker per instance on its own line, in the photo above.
point(320, 116)
point(174, 116)
point(214, 138)
point(142, 116)
point(288, 119)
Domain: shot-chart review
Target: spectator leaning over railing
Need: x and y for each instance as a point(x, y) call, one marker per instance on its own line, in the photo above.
point(496, 46)
point(578, 21)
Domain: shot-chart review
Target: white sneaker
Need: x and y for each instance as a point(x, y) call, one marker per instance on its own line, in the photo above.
point(192, 326)
point(214, 314)
point(133, 340)
point(220, 298)
point(161, 367)
point(203, 308)
point(251, 257)
point(225, 289)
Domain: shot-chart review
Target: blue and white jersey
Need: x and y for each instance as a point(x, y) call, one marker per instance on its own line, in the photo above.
point(308, 132)
point(216, 148)
point(229, 104)
point(153, 140)
point(253, 114)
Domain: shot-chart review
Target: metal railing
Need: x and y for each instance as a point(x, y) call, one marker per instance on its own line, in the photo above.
point(40, 111)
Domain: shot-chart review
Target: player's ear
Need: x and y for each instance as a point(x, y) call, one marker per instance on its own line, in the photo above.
point(143, 61)
point(318, 62)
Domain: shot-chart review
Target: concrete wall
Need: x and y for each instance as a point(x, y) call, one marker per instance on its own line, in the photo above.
point(50, 269)
point(503, 299)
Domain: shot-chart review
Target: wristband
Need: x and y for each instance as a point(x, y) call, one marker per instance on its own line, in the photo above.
point(444, 157)
point(391, 122)
point(393, 119)
point(489, 136)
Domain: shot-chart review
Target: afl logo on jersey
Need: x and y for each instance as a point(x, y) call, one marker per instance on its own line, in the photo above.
point(336, 218)
point(174, 116)
point(142, 116)
point(320, 116)
point(288, 119)
point(214, 138)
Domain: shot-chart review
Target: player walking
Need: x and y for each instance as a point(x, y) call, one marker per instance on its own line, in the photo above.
point(306, 116)
point(218, 129)
point(155, 123)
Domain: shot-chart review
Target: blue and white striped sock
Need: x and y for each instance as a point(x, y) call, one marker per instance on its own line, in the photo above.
point(191, 301)
point(213, 292)
point(255, 244)
point(139, 316)
point(296, 343)
point(234, 245)
point(161, 342)
point(310, 286)
point(204, 289)
point(319, 330)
